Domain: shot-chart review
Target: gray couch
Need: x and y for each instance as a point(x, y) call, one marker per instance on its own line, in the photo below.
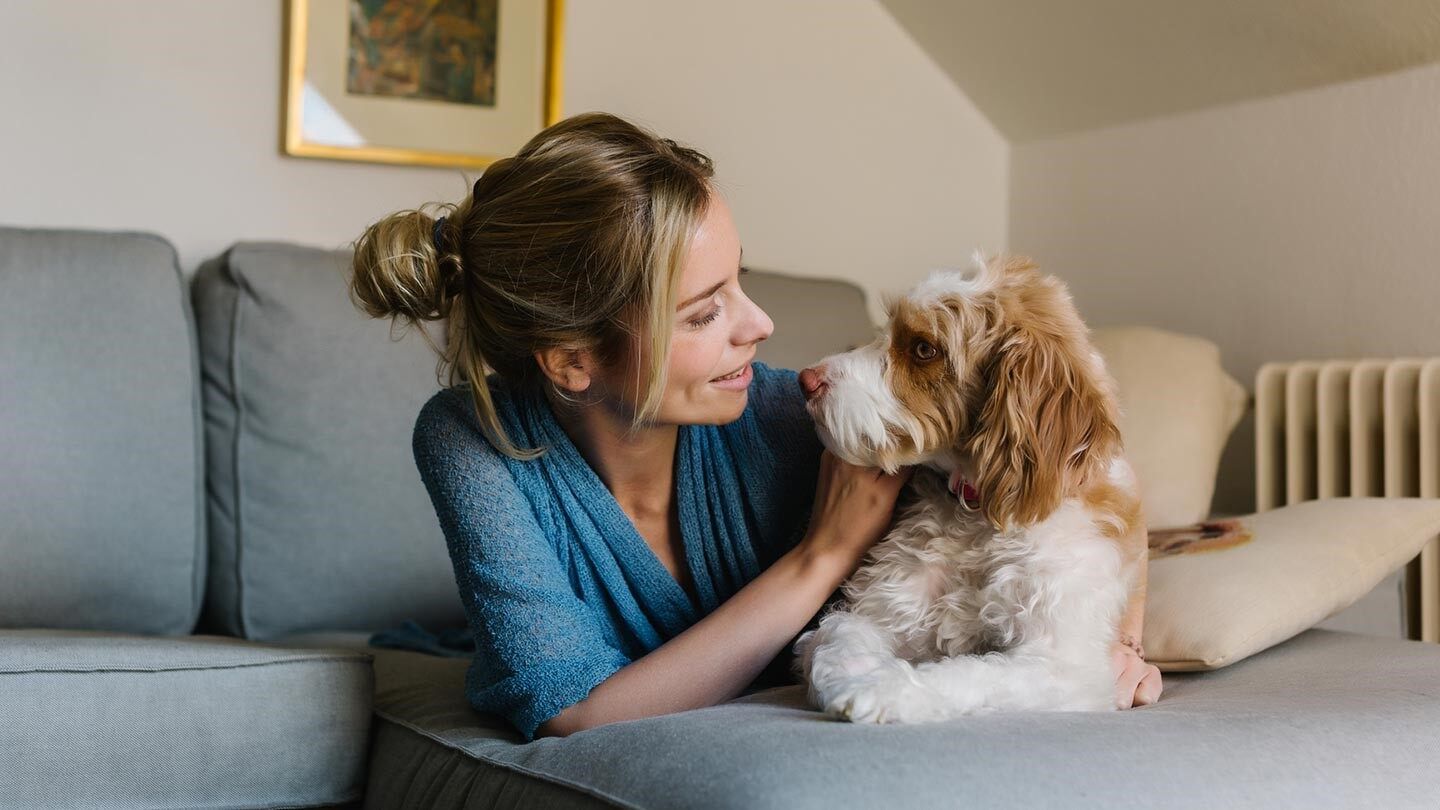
point(208, 504)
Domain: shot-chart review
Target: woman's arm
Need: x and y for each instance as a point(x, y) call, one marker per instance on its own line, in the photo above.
point(1137, 683)
point(1132, 624)
point(546, 661)
point(714, 659)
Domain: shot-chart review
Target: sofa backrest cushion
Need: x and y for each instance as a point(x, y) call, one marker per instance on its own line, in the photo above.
point(101, 517)
point(319, 520)
point(1178, 408)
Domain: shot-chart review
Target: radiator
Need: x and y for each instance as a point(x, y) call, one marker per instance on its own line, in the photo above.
point(1355, 428)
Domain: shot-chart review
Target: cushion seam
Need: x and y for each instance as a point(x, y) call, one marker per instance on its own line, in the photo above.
point(241, 623)
point(190, 668)
point(348, 799)
point(200, 554)
point(510, 766)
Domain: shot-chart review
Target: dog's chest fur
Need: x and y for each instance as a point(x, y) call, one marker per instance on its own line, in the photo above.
point(946, 583)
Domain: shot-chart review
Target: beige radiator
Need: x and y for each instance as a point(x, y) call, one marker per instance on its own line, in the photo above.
point(1340, 428)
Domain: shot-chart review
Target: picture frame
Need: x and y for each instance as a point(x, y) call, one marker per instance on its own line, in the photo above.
point(454, 83)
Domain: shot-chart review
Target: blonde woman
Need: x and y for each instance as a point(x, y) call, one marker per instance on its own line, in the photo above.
point(640, 515)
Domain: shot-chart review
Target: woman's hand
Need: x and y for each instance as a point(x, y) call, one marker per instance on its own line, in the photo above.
point(1136, 682)
point(853, 507)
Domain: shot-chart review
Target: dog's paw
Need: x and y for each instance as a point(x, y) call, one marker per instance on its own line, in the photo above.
point(887, 693)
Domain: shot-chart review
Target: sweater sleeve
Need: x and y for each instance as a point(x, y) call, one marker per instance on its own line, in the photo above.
point(538, 647)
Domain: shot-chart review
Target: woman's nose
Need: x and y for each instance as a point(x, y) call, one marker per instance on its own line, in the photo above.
point(761, 326)
point(767, 326)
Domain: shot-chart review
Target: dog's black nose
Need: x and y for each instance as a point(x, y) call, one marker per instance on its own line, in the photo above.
point(812, 381)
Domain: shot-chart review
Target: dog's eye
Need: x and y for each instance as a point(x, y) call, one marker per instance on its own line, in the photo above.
point(922, 350)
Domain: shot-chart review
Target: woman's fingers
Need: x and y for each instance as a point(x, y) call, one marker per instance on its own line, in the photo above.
point(1132, 670)
point(1150, 687)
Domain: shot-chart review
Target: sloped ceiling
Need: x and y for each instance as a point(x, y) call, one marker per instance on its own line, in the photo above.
point(1040, 68)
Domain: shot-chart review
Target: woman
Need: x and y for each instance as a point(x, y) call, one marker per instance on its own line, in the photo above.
point(640, 517)
point(667, 527)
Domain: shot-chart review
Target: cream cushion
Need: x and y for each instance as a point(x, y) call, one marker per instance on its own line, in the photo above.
point(1178, 408)
point(1265, 577)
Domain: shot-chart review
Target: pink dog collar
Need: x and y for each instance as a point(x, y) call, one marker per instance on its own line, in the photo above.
point(964, 491)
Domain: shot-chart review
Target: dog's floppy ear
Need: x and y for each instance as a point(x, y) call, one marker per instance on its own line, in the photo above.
point(1044, 422)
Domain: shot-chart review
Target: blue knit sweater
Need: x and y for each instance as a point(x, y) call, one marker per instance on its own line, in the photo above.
point(559, 588)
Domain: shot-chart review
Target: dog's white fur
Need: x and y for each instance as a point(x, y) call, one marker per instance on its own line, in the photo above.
point(1014, 605)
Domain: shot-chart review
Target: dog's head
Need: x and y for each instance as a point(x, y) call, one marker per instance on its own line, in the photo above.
point(991, 372)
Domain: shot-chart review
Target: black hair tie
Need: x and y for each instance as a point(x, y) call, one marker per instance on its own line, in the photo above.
point(435, 235)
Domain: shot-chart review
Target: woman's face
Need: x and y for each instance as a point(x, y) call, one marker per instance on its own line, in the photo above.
point(716, 328)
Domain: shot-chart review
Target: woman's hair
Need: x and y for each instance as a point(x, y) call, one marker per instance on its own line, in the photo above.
point(578, 241)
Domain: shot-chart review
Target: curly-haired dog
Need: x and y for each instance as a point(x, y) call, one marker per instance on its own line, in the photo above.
point(1002, 583)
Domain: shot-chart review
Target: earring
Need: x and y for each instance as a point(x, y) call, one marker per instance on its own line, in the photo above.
point(562, 394)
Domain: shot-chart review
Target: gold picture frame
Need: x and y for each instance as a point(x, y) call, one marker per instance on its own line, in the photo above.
point(323, 118)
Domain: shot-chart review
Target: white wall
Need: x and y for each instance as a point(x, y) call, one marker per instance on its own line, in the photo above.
point(845, 151)
point(1304, 226)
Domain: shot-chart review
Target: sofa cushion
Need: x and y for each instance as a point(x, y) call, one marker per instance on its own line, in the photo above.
point(1327, 719)
point(101, 518)
point(318, 517)
point(202, 721)
point(1225, 589)
point(1178, 408)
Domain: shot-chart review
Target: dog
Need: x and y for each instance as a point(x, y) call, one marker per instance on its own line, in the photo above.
point(1003, 580)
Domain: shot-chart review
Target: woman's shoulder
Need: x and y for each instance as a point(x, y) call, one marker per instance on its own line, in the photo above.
point(447, 423)
point(460, 466)
point(447, 411)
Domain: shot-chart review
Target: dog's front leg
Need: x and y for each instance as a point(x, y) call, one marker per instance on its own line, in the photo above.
point(1062, 664)
point(858, 662)
point(1029, 677)
point(850, 664)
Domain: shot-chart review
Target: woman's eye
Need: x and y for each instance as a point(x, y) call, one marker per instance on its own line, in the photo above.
point(923, 350)
point(714, 313)
point(699, 322)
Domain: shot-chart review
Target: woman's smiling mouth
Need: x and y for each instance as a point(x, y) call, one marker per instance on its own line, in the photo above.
point(738, 380)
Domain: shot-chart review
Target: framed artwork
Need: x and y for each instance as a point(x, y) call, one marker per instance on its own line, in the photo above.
point(420, 82)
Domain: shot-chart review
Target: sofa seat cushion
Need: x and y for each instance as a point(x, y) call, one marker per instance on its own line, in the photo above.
point(104, 719)
point(1326, 719)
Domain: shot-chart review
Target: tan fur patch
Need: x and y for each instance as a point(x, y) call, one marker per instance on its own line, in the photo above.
point(928, 389)
point(1117, 510)
point(1011, 386)
point(1047, 425)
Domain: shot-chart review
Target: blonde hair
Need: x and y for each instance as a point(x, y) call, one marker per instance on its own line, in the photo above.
point(576, 241)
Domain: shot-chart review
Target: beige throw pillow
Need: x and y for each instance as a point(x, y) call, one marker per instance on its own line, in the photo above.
point(1226, 589)
point(1178, 408)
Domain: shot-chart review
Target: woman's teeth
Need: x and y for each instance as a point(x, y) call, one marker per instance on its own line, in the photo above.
point(731, 376)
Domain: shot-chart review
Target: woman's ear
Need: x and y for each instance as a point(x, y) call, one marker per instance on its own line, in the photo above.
point(1044, 422)
point(567, 368)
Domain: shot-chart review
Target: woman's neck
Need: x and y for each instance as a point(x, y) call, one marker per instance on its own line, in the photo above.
point(638, 470)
